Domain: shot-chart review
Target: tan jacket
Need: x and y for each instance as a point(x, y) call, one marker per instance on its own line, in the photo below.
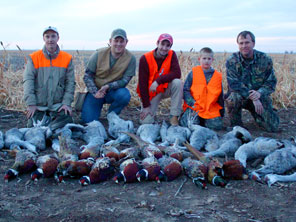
point(105, 74)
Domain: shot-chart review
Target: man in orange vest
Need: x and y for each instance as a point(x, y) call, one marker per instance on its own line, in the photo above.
point(203, 94)
point(159, 78)
point(49, 83)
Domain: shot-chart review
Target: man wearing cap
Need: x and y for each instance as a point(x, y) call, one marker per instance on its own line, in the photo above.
point(49, 83)
point(159, 78)
point(108, 72)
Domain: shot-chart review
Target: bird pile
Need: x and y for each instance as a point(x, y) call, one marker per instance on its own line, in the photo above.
point(192, 151)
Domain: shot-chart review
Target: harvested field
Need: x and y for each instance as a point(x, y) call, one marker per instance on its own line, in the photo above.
point(23, 200)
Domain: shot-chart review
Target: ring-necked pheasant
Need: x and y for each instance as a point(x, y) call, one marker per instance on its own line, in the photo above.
point(73, 169)
point(47, 166)
point(213, 165)
point(25, 162)
point(196, 171)
point(171, 167)
point(101, 171)
point(128, 171)
point(146, 149)
point(128, 153)
point(91, 151)
point(173, 151)
point(110, 151)
point(151, 170)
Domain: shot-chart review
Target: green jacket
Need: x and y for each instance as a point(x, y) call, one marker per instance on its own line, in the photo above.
point(49, 81)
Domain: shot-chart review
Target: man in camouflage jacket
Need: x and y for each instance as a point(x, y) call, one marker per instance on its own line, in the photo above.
point(251, 80)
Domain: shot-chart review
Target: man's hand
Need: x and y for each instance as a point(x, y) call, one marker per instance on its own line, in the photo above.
point(102, 92)
point(67, 109)
point(258, 106)
point(145, 112)
point(153, 86)
point(254, 95)
point(31, 111)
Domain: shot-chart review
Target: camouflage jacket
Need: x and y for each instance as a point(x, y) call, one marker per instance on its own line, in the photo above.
point(256, 74)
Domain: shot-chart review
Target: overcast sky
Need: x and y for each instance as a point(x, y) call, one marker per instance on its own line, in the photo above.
point(87, 24)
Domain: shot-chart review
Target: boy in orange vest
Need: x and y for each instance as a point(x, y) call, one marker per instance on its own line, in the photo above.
point(203, 94)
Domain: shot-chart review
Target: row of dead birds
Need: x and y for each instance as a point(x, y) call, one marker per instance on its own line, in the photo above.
point(96, 161)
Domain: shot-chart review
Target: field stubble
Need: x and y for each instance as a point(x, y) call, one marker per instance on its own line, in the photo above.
point(12, 65)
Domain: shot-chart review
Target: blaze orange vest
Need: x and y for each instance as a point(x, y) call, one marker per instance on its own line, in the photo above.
point(205, 95)
point(39, 60)
point(154, 73)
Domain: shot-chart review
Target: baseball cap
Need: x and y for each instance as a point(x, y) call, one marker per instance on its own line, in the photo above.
point(165, 36)
point(118, 33)
point(50, 28)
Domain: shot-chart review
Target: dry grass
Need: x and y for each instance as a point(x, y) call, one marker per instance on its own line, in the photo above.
point(11, 87)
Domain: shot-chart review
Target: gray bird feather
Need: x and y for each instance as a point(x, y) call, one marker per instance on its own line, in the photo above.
point(260, 147)
point(116, 128)
point(149, 132)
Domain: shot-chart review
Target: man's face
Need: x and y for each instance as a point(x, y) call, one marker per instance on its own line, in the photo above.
point(117, 46)
point(206, 60)
point(163, 48)
point(51, 39)
point(246, 46)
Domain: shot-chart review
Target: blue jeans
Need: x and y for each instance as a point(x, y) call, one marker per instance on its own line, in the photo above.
point(91, 109)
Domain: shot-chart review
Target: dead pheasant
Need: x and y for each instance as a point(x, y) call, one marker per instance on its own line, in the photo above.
point(147, 149)
point(196, 171)
point(25, 162)
point(213, 165)
point(128, 153)
point(151, 170)
point(128, 171)
point(110, 151)
point(47, 166)
point(173, 151)
point(90, 151)
point(171, 167)
point(101, 171)
point(73, 169)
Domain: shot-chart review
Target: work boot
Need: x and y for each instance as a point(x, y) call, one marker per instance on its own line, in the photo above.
point(174, 121)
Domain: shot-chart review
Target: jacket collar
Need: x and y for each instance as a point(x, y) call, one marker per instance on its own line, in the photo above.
point(48, 55)
point(246, 61)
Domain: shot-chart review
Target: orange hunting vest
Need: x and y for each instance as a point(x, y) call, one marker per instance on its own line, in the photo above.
point(154, 73)
point(39, 60)
point(205, 95)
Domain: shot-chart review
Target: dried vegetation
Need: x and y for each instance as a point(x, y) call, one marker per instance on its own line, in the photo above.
point(11, 89)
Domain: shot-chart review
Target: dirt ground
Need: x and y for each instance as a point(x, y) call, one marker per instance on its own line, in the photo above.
point(23, 200)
